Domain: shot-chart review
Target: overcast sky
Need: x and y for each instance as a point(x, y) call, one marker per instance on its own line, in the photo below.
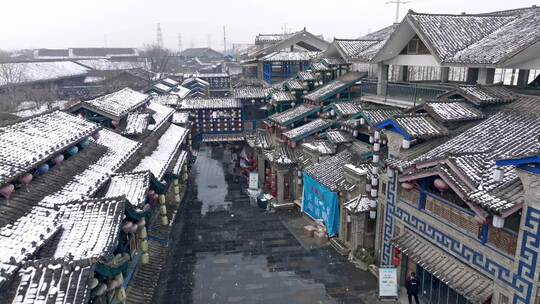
point(132, 23)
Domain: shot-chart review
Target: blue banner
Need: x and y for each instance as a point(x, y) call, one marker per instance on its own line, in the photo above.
point(321, 204)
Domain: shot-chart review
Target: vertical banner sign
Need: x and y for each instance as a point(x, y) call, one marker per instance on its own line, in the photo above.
point(321, 204)
point(253, 180)
point(388, 286)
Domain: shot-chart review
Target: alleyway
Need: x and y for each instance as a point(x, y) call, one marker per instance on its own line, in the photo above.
point(225, 250)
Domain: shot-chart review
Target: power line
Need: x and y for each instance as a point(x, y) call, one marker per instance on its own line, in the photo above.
point(398, 4)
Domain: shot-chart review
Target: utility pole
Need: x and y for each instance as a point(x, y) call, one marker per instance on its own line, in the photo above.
point(179, 42)
point(398, 4)
point(224, 41)
point(159, 36)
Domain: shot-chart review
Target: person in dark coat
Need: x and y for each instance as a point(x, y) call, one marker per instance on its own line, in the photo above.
point(413, 287)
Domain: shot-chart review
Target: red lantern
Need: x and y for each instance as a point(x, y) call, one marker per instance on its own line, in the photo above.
point(441, 185)
point(7, 190)
point(407, 186)
point(26, 179)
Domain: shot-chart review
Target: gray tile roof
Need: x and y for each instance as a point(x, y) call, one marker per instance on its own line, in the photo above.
point(487, 39)
point(251, 92)
point(55, 281)
point(345, 109)
point(420, 126)
point(330, 172)
point(452, 111)
point(481, 95)
point(280, 96)
point(376, 116)
point(334, 86)
point(323, 147)
point(118, 104)
point(308, 129)
point(26, 143)
point(136, 123)
point(133, 185)
point(306, 76)
point(339, 137)
point(472, 284)
point(90, 228)
point(286, 117)
point(290, 56)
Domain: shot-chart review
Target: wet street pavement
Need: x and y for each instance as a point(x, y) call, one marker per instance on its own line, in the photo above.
point(225, 250)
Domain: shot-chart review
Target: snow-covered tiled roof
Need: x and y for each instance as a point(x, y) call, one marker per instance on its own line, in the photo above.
point(419, 126)
point(108, 65)
point(260, 139)
point(24, 238)
point(180, 118)
point(381, 35)
point(189, 82)
point(90, 228)
point(26, 143)
point(322, 147)
point(170, 82)
point(474, 152)
point(166, 100)
point(306, 76)
point(181, 92)
point(161, 113)
point(282, 155)
point(361, 203)
point(211, 75)
point(118, 104)
point(329, 172)
point(481, 95)
point(27, 72)
point(86, 183)
point(210, 103)
point(136, 123)
point(376, 116)
point(352, 48)
point(449, 34)
point(161, 87)
point(133, 185)
point(54, 281)
point(339, 137)
point(294, 85)
point(334, 86)
point(319, 67)
point(452, 111)
point(161, 158)
point(251, 92)
point(281, 96)
point(308, 129)
point(346, 108)
point(291, 115)
point(180, 162)
point(290, 56)
point(487, 39)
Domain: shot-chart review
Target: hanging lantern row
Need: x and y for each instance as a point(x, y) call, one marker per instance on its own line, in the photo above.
point(7, 190)
point(441, 185)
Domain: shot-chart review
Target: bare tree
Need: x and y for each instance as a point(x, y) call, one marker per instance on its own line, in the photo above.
point(158, 57)
point(14, 90)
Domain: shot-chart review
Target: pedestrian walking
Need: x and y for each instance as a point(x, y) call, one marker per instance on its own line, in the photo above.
point(413, 287)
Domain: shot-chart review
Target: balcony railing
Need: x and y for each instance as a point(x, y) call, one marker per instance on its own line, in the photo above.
point(408, 93)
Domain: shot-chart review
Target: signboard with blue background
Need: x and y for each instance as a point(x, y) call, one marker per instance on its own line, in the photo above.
point(321, 204)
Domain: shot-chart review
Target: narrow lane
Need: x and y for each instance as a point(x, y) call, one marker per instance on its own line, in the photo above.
point(228, 251)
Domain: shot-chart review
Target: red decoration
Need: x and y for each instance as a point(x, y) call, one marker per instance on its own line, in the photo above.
point(26, 179)
point(7, 190)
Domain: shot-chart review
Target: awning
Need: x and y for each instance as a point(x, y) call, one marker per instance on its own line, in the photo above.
point(468, 282)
